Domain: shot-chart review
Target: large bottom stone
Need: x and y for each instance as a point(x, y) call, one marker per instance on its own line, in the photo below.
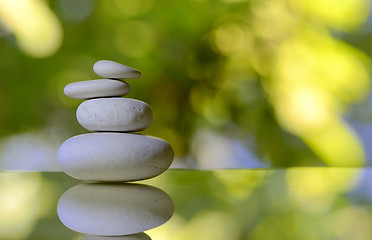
point(114, 156)
point(114, 209)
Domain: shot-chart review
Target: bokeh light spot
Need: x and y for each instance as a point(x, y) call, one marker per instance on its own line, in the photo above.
point(36, 27)
point(134, 38)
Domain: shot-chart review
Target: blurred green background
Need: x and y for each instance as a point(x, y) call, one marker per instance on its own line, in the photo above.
point(232, 84)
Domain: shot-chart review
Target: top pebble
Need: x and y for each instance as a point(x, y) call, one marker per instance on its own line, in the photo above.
point(110, 69)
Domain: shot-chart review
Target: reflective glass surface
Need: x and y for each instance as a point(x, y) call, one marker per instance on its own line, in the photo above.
point(295, 203)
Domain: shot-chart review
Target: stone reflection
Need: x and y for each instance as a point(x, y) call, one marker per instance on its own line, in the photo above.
point(114, 209)
point(138, 236)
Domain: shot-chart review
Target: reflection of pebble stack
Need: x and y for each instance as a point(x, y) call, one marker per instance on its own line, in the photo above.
point(112, 153)
point(124, 210)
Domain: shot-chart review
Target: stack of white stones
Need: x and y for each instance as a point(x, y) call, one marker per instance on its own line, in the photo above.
point(113, 152)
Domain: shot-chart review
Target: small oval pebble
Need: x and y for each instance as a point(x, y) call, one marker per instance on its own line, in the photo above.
point(114, 114)
point(114, 209)
point(111, 69)
point(97, 88)
point(114, 156)
point(138, 236)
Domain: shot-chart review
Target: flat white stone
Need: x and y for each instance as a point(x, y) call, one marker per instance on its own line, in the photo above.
point(97, 88)
point(138, 236)
point(114, 156)
point(114, 209)
point(111, 69)
point(114, 114)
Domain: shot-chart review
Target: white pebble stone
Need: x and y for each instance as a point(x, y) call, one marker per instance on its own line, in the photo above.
point(114, 156)
point(97, 88)
point(114, 209)
point(111, 69)
point(138, 236)
point(114, 114)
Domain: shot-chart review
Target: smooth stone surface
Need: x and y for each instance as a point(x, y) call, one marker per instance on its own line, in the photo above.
point(114, 156)
point(138, 236)
point(97, 88)
point(114, 209)
point(111, 69)
point(114, 114)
